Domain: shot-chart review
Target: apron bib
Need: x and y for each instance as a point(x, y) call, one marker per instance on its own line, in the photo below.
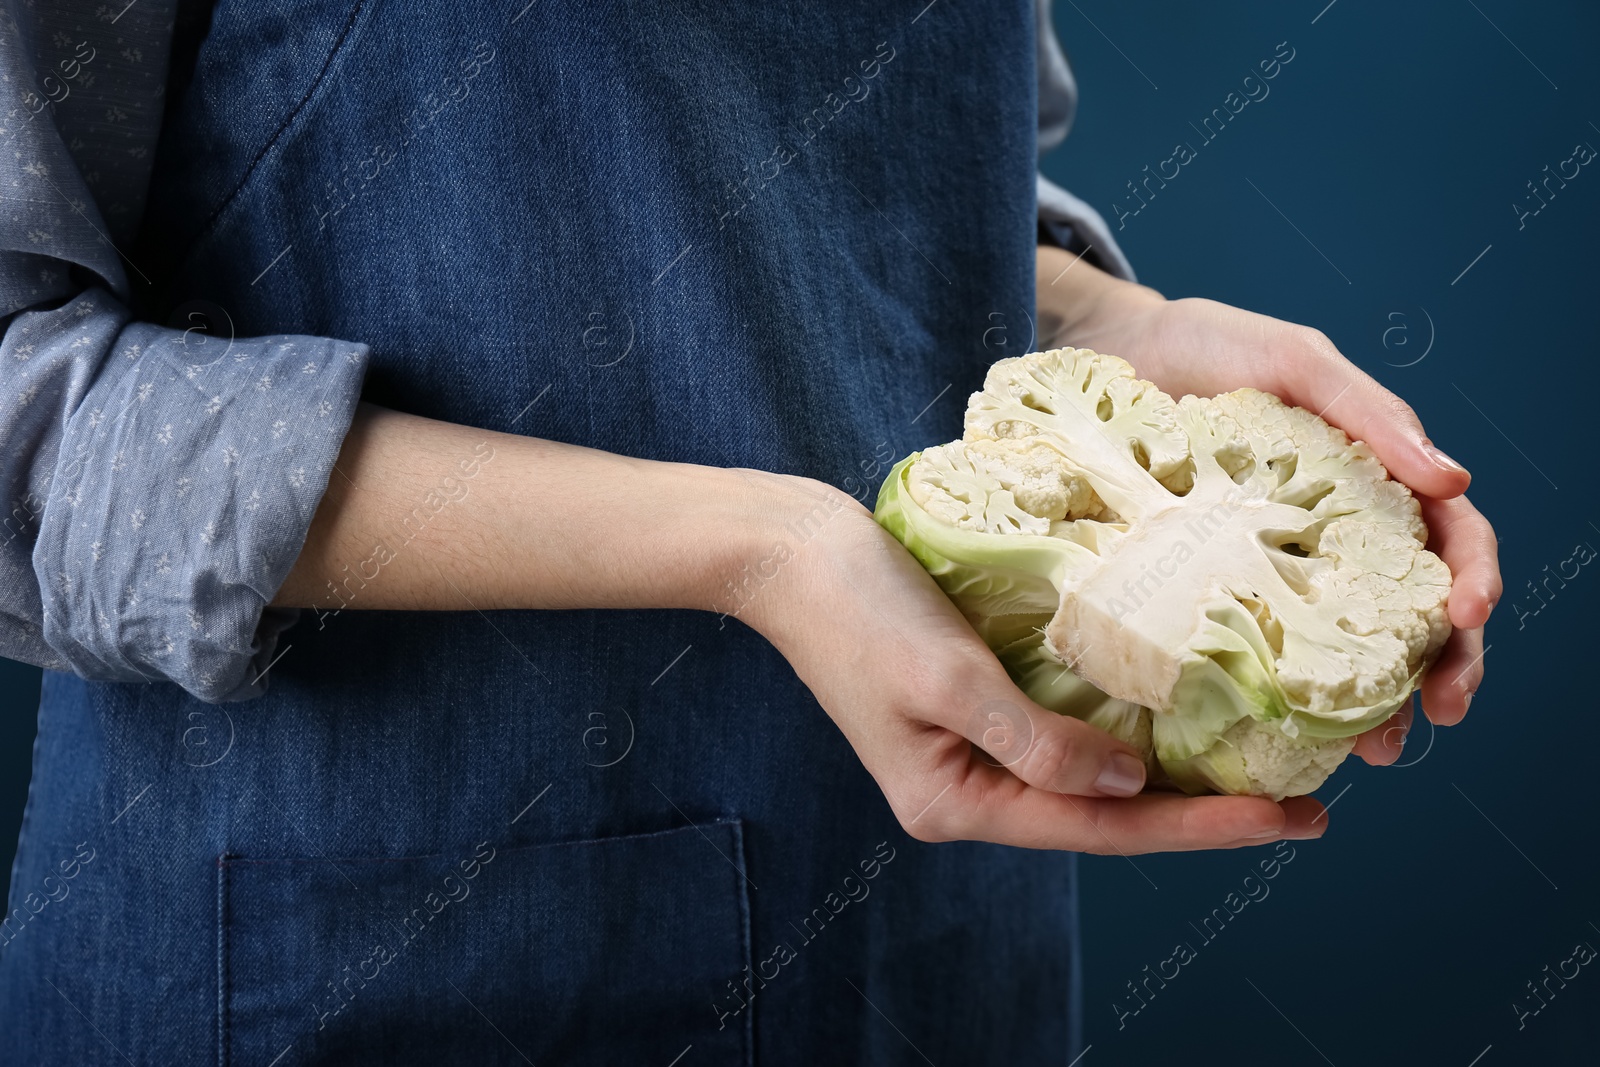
point(789, 237)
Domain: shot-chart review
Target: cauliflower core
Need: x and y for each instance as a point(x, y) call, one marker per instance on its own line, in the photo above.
point(1232, 568)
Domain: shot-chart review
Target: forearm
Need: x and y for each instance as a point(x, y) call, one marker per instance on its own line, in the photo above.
point(427, 515)
point(421, 515)
point(1072, 294)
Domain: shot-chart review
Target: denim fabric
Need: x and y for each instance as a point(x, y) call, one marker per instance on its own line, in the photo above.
point(718, 233)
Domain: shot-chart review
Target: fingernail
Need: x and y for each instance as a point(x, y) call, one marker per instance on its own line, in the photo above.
point(1123, 776)
point(1263, 835)
point(1443, 461)
point(1466, 700)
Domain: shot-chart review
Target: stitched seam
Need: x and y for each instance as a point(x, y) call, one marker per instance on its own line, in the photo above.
point(333, 54)
point(230, 861)
point(742, 892)
point(223, 999)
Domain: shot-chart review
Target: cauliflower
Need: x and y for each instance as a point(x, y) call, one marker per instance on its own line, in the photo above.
point(1231, 584)
point(1034, 487)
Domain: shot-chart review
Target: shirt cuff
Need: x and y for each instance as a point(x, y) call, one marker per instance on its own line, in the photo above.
point(183, 488)
point(1067, 221)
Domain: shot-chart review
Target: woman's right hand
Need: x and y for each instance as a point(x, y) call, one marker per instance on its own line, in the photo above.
point(958, 750)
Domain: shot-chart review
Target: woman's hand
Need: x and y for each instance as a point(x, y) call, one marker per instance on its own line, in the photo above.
point(1204, 347)
point(958, 750)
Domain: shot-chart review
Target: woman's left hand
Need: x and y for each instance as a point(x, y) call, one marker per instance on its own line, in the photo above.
point(1205, 348)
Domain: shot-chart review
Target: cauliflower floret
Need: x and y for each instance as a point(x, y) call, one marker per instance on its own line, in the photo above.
point(1089, 407)
point(1277, 766)
point(968, 490)
point(1038, 479)
point(1002, 485)
point(1383, 581)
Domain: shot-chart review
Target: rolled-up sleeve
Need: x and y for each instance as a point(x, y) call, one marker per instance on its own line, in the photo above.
point(160, 481)
point(1063, 218)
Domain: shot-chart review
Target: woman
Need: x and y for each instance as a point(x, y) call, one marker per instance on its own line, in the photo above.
point(636, 304)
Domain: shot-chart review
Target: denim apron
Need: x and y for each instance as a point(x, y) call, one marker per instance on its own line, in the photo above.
point(787, 237)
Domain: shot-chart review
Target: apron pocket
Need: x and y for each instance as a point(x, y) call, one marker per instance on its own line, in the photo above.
point(607, 951)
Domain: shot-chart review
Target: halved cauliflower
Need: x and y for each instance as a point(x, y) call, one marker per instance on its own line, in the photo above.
point(1230, 584)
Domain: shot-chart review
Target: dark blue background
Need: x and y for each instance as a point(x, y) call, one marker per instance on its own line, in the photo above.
point(1396, 140)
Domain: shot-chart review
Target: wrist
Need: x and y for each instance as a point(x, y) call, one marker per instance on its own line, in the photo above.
point(790, 525)
point(712, 532)
point(648, 533)
point(1074, 298)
